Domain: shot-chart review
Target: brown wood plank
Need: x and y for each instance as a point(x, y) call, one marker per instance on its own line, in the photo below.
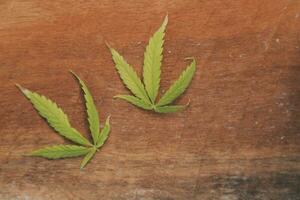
point(239, 139)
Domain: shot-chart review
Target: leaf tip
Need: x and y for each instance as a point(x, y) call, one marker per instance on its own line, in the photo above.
point(71, 71)
point(74, 74)
point(82, 167)
point(188, 103)
point(18, 85)
point(108, 45)
point(193, 61)
point(189, 58)
point(22, 89)
point(116, 96)
point(29, 154)
point(166, 19)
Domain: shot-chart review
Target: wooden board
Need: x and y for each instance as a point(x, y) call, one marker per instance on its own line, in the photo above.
point(239, 139)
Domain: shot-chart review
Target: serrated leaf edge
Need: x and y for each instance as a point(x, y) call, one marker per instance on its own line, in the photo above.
point(92, 112)
point(94, 147)
point(153, 97)
point(188, 73)
point(153, 56)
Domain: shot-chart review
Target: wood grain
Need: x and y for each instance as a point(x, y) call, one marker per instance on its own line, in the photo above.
point(239, 139)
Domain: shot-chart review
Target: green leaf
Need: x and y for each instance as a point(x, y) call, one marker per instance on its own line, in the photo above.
point(152, 61)
point(104, 133)
point(60, 151)
point(129, 76)
point(93, 117)
point(88, 157)
point(135, 101)
point(179, 86)
point(145, 96)
point(55, 116)
point(170, 109)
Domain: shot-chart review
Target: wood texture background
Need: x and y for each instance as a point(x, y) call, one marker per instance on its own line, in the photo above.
point(239, 139)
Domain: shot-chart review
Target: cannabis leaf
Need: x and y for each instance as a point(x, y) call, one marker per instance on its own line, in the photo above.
point(58, 120)
point(146, 92)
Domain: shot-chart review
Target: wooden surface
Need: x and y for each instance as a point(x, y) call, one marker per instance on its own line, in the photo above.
point(239, 139)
